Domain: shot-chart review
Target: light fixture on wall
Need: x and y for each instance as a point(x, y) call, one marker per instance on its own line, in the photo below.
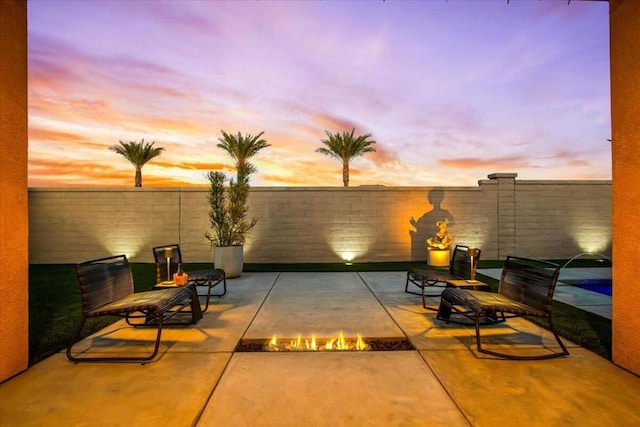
point(167, 255)
point(348, 257)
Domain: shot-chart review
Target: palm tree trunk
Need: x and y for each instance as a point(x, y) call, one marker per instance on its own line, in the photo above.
point(138, 177)
point(345, 173)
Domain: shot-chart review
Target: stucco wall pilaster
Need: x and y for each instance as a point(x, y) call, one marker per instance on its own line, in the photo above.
point(506, 212)
point(625, 121)
point(14, 316)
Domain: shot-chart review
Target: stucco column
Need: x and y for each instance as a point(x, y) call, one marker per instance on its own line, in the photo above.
point(625, 123)
point(506, 212)
point(14, 315)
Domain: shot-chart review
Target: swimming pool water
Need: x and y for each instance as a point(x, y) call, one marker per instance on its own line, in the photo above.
point(601, 286)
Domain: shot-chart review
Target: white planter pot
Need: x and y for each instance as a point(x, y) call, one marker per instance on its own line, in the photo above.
point(230, 259)
point(438, 258)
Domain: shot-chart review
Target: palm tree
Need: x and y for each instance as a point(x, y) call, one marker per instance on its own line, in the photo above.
point(241, 148)
point(344, 146)
point(138, 153)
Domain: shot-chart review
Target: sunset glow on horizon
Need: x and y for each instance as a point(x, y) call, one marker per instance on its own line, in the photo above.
point(451, 90)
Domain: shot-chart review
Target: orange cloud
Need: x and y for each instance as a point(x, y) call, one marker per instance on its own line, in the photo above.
point(46, 172)
point(382, 155)
point(73, 109)
point(90, 174)
point(569, 159)
point(164, 181)
point(169, 124)
point(513, 162)
point(296, 180)
point(335, 124)
point(191, 166)
point(303, 173)
point(164, 90)
point(54, 135)
point(45, 72)
point(71, 168)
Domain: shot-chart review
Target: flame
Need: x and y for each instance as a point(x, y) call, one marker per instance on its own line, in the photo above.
point(360, 344)
point(339, 343)
point(313, 345)
point(295, 344)
point(329, 344)
point(342, 343)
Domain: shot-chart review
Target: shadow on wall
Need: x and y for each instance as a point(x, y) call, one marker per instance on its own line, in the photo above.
point(426, 227)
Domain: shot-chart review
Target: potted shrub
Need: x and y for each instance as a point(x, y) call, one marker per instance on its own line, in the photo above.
point(228, 221)
point(228, 210)
point(438, 245)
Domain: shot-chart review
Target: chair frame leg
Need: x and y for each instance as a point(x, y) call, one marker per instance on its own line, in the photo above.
point(564, 351)
point(406, 285)
point(157, 316)
point(210, 284)
point(423, 285)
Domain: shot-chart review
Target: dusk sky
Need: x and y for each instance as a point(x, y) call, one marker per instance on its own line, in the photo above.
point(450, 90)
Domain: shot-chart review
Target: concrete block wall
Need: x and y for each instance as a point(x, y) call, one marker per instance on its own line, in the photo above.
point(562, 219)
point(323, 224)
point(71, 225)
point(502, 216)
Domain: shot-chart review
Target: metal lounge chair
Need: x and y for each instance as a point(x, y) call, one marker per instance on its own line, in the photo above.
point(526, 289)
point(167, 259)
point(461, 266)
point(106, 286)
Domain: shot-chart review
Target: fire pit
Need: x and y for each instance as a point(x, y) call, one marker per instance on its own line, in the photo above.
point(314, 344)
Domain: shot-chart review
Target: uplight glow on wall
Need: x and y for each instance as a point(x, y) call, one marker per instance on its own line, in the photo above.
point(351, 242)
point(592, 238)
point(126, 237)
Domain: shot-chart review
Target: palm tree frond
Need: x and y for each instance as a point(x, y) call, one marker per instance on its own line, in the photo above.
point(241, 148)
point(344, 146)
point(138, 154)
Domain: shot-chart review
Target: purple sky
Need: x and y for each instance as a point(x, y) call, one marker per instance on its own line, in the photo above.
point(451, 91)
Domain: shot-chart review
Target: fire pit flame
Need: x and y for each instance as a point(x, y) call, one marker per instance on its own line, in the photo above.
point(336, 343)
point(360, 344)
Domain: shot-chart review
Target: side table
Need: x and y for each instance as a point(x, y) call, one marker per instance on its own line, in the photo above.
point(475, 285)
point(196, 311)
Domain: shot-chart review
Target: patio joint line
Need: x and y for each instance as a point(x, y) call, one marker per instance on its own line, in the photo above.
point(196, 420)
point(260, 307)
point(444, 387)
point(384, 308)
point(419, 352)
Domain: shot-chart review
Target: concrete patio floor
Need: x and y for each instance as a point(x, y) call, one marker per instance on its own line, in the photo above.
point(198, 379)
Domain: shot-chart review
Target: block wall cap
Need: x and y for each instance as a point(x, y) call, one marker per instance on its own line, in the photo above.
point(502, 175)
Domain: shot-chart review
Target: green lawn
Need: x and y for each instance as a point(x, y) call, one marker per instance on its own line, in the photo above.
point(55, 305)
